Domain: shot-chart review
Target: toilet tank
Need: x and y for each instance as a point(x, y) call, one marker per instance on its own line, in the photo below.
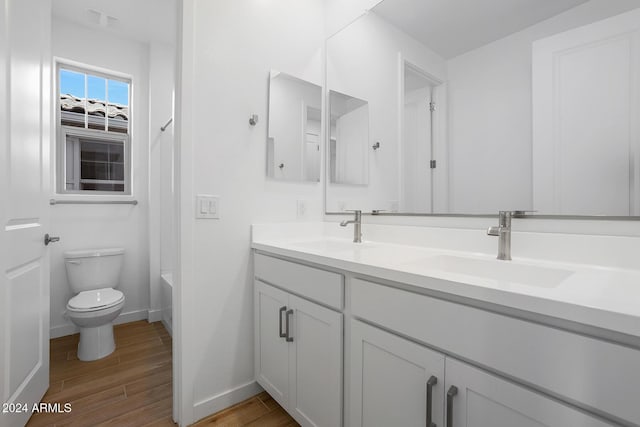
point(93, 268)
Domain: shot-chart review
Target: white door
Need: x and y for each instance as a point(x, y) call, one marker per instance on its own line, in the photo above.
point(417, 152)
point(393, 382)
point(25, 110)
point(315, 384)
point(312, 157)
point(476, 398)
point(586, 133)
point(271, 347)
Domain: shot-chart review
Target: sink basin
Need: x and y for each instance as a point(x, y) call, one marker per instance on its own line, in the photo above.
point(502, 271)
point(332, 246)
point(368, 252)
point(470, 266)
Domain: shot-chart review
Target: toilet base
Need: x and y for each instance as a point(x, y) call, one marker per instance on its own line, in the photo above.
point(96, 343)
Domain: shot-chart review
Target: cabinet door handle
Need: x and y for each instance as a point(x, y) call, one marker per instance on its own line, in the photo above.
point(289, 338)
point(430, 383)
point(453, 390)
point(282, 310)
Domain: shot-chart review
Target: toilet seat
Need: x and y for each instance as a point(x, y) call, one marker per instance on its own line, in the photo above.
point(93, 300)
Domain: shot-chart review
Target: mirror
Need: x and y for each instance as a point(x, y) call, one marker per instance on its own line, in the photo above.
point(294, 129)
point(348, 139)
point(493, 105)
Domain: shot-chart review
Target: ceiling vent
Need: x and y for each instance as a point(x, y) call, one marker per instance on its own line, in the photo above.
point(101, 18)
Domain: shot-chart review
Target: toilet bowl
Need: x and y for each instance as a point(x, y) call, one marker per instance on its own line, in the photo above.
point(94, 318)
point(93, 276)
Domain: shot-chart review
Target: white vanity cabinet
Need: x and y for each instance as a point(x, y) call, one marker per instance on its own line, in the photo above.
point(298, 343)
point(393, 381)
point(412, 356)
point(596, 374)
point(475, 397)
point(272, 349)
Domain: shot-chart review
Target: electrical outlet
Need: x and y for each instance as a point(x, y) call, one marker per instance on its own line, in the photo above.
point(301, 209)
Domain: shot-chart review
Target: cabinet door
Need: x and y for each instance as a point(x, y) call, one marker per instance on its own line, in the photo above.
point(315, 373)
point(271, 350)
point(389, 379)
point(480, 399)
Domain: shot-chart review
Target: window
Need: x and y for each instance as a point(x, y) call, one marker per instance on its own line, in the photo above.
point(94, 117)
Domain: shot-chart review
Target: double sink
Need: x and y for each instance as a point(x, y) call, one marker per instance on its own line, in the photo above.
point(473, 266)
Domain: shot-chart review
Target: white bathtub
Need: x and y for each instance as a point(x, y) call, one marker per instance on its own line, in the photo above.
point(166, 291)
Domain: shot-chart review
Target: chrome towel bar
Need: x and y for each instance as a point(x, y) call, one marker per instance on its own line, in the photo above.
point(163, 128)
point(92, 202)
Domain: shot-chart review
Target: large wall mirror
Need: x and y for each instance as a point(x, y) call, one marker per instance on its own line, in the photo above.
point(480, 106)
point(293, 140)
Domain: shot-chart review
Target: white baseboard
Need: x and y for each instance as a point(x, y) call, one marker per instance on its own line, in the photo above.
point(70, 329)
point(167, 326)
point(155, 315)
point(63, 330)
point(131, 316)
point(216, 403)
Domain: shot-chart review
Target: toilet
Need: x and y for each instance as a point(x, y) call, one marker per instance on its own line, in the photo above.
point(93, 276)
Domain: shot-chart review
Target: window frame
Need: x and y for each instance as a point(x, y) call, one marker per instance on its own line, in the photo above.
point(63, 131)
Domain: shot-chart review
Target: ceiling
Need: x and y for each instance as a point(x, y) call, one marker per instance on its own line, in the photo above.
point(453, 27)
point(141, 20)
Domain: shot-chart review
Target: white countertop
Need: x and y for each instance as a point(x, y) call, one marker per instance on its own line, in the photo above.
point(600, 296)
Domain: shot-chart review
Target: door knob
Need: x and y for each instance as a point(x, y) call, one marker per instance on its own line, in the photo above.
point(48, 239)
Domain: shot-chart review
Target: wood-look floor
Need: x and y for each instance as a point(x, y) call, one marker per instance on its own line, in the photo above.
point(259, 411)
point(133, 386)
point(130, 387)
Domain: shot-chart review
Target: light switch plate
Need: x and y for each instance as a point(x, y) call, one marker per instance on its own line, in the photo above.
point(207, 207)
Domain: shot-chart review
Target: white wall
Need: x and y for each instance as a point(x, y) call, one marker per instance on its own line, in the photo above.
point(99, 226)
point(374, 75)
point(340, 13)
point(228, 47)
point(352, 145)
point(490, 114)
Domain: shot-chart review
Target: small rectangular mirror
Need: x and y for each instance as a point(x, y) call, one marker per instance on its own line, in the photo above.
point(294, 129)
point(348, 139)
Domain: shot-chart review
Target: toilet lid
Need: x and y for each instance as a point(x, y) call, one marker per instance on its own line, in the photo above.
point(99, 298)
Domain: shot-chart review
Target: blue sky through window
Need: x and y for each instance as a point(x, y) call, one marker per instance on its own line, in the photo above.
point(72, 83)
point(118, 92)
point(97, 87)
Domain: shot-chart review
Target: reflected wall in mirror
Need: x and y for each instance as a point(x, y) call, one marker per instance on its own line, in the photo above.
point(293, 141)
point(495, 105)
point(348, 139)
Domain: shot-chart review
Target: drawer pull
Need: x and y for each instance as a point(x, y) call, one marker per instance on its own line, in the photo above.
point(289, 338)
point(282, 310)
point(430, 383)
point(453, 390)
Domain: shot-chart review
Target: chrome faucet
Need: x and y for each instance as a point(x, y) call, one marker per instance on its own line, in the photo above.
point(357, 226)
point(503, 231)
